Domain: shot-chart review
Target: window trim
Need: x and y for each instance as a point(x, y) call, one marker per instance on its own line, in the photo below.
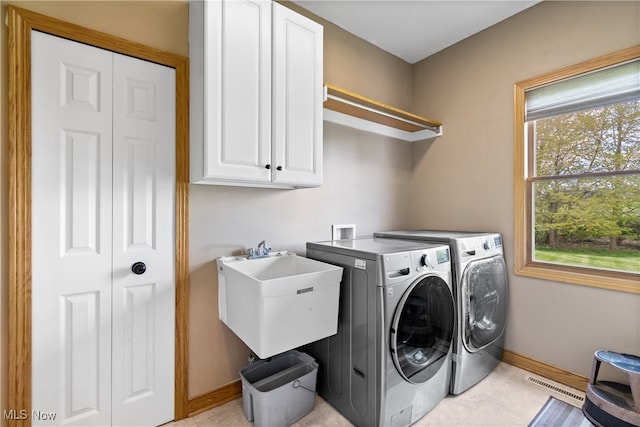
point(523, 262)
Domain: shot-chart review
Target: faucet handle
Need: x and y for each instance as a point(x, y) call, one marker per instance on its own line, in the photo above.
point(251, 252)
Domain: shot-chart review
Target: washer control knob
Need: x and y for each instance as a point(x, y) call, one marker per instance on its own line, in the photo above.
point(424, 260)
point(486, 245)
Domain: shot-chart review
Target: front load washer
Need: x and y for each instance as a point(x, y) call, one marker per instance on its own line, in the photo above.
point(480, 290)
point(390, 362)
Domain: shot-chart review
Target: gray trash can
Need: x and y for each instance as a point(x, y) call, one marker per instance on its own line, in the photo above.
point(279, 391)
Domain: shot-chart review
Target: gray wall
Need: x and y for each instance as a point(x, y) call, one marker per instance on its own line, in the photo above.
point(465, 179)
point(366, 182)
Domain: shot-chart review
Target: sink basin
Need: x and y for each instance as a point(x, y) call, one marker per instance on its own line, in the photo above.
point(280, 302)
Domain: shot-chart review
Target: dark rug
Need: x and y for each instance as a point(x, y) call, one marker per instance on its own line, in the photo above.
point(556, 413)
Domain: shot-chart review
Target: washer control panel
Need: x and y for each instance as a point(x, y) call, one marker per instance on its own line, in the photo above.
point(403, 264)
point(432, 258)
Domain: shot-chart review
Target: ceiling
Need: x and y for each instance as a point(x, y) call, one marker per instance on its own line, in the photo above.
point(414, 29)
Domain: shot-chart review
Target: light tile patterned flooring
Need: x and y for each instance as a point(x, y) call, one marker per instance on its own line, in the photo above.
point(504, 399)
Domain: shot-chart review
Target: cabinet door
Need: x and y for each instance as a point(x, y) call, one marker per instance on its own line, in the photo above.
point(230, 44)
point(297, 104)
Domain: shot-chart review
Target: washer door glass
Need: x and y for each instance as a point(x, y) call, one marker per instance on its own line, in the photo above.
point(422, 329)
point(484, 297)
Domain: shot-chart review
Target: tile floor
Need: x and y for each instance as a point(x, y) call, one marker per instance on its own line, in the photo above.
point(504, 399)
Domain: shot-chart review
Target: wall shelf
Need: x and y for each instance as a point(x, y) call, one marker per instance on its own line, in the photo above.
point(353, 110)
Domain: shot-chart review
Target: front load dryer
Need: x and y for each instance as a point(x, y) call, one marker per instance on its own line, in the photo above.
point(390, 362)
point(480, 290)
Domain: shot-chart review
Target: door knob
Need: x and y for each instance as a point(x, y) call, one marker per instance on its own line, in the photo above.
point(139, 267)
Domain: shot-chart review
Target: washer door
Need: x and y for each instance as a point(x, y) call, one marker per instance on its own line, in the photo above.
point(484, 298)
point(422, 329)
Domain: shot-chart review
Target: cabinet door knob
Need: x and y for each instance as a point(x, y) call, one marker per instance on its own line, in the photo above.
point(279, 168)
point(139, 267)
point(267, 166)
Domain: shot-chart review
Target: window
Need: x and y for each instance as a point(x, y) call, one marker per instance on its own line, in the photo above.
point(577, 173)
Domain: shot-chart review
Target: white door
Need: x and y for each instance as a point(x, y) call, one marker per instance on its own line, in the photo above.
point(102, 200)
point(143, 232)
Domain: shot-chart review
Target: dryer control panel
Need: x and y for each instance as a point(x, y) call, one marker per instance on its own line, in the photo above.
point(482, 245)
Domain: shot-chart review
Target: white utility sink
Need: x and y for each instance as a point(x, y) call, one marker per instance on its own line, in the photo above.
point(279, 302)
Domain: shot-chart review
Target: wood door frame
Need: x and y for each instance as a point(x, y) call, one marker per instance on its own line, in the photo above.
point(20, 23)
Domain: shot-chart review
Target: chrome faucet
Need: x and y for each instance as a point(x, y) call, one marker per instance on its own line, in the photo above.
point(263, 248)
point(261, 251)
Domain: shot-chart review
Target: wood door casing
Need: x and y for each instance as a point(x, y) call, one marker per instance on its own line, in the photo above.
point(20, 23)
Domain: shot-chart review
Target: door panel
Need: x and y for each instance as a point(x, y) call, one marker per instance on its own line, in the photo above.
point(71, 231)
point(139, 222)
point(143, 224)
point(80, 200)
point(79, 340)
point(139, 361)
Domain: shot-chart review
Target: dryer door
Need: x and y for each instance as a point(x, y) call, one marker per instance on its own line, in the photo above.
point(484, 302)
point(422, 329)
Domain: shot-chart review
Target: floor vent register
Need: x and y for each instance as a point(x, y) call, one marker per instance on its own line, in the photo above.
point(562, 392)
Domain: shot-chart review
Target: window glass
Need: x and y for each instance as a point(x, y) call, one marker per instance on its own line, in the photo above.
point(577, 173)
point(584, 213)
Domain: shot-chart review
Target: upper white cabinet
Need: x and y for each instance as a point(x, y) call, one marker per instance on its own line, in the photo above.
point(297, 98)
point(256, 95)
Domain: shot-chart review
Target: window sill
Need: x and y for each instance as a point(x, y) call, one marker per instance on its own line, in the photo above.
point(622, 282)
